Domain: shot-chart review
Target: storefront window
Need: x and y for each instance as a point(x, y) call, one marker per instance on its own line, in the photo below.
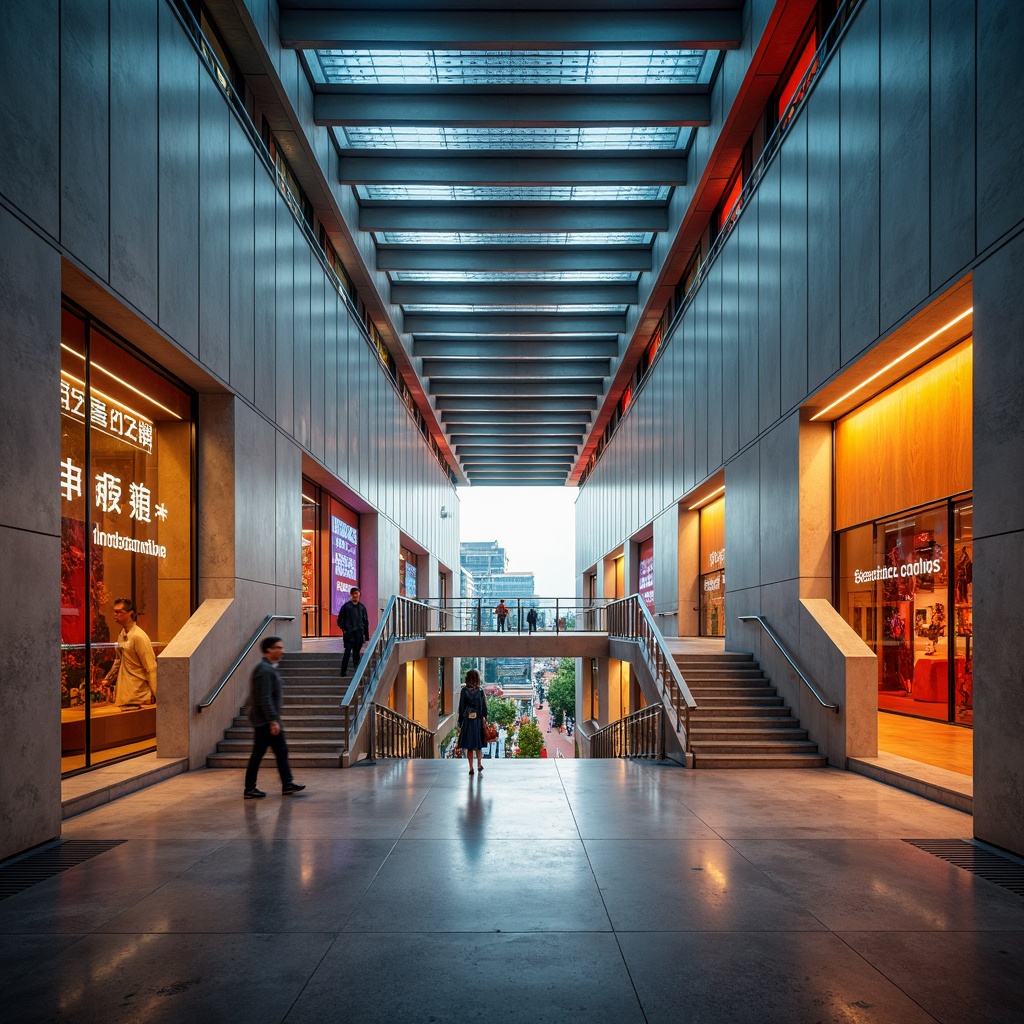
point(712, 568)
point(126, 541)
point(646, 572)
point(897, 586)
point(310, 558)
point(407, 572)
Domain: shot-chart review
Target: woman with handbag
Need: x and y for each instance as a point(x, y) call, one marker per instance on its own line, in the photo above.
point(472, 719)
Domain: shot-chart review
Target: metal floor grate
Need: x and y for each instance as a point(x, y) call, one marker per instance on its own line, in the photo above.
point(984, 863)
point(37, 867)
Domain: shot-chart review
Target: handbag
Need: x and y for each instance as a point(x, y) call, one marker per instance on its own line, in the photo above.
point(490, 732)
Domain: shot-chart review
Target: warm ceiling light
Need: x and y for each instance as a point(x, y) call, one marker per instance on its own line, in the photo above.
point(899, 359)
point(110, 398)
point(124, 383)
point(706, 498)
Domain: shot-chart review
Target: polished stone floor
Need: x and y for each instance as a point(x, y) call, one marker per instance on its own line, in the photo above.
point(555, 890)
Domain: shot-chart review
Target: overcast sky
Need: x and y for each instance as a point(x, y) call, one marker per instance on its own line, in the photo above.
point(535, 525)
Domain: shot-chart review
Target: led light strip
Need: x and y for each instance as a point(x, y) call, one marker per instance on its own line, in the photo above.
point(706, 498)
point(899, 359)
point(124, 383)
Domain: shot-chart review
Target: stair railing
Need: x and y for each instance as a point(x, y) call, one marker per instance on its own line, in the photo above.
point(796, 668)
point(402, 619)
point(630, 619)
point(394, 735)
point(641, 735)
point(212, 695)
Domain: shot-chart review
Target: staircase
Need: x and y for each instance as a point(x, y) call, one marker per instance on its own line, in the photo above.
point(740, 720)
point(315, 725)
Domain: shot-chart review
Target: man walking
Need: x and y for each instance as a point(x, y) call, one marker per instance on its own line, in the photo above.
point(265, 715)
point(354, 623)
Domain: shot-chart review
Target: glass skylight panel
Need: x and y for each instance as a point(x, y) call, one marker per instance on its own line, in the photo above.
point(447, 138)
point(508, 276)
point(514, 193)
point(513, 67)
point(537, 307)
point(523, 238)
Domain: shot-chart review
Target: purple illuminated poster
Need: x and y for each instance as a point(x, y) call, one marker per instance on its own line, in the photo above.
point(646, 580)
point(344, 561)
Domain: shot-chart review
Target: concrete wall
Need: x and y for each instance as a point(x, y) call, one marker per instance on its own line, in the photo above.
point(899, 177)
point(131, 186)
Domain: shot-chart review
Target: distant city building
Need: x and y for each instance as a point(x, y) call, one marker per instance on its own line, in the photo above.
point(482, 557)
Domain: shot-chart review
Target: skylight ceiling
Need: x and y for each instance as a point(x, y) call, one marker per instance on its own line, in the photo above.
point(513, 167)
point(513, 67)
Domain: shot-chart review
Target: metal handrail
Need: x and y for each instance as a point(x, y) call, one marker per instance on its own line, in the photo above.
point(641, 734)
point(475, 614)
point(395, 735)
point(212, 696)
point(796, 668)
point(629, 618)
point(402, 619)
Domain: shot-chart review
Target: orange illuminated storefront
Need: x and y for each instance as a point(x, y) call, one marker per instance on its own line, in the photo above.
point(904, 525)
point(330, 559)
point(127, 527)
point(712, 568)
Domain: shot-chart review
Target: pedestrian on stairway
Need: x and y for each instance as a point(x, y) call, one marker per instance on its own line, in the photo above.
point(354, 622)
point(265, 715)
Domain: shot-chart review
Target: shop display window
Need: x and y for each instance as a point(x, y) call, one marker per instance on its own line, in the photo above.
point(712, 568)
point(407, 569)
point(905, 590)
point(330, 559)
point(646, 573)
point(126, 533)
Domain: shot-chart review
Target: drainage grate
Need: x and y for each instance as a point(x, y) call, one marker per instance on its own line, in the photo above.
point(984, 863)
point(19, 875)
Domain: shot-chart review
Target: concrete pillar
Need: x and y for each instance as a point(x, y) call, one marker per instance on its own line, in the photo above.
point(998, 548)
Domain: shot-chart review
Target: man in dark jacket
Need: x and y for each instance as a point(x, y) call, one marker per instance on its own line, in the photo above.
point(355, 624)
point(265, 715)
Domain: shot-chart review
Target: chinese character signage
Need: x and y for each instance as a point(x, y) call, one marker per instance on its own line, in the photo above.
point(105, 414)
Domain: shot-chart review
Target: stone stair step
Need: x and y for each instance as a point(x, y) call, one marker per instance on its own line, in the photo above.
point(733, 692)
point(732, 700)
point(768, 746)
point(297, 746)
point(298, 761)
point(739, 711)
point(742, 722)
point(704, 735)
point(334, 733)
point(760, 761)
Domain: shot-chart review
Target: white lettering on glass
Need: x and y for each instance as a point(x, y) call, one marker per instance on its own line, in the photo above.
point(108, 492)
point(139, 500)
point(922, 567)
point(70, 479)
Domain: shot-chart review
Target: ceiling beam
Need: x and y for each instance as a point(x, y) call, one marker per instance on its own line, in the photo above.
point(525, 293)
point(509, 218)
point(515, 348)
point(512, 258)
point(358, 106)
point(516, 369)
point(513, 323)
point(468, 442)
point(511, 167)
point(488, 388)
point(505, 450)
point(528, 419)
point(470, 433)
point(520, 404)
point(375, 29)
